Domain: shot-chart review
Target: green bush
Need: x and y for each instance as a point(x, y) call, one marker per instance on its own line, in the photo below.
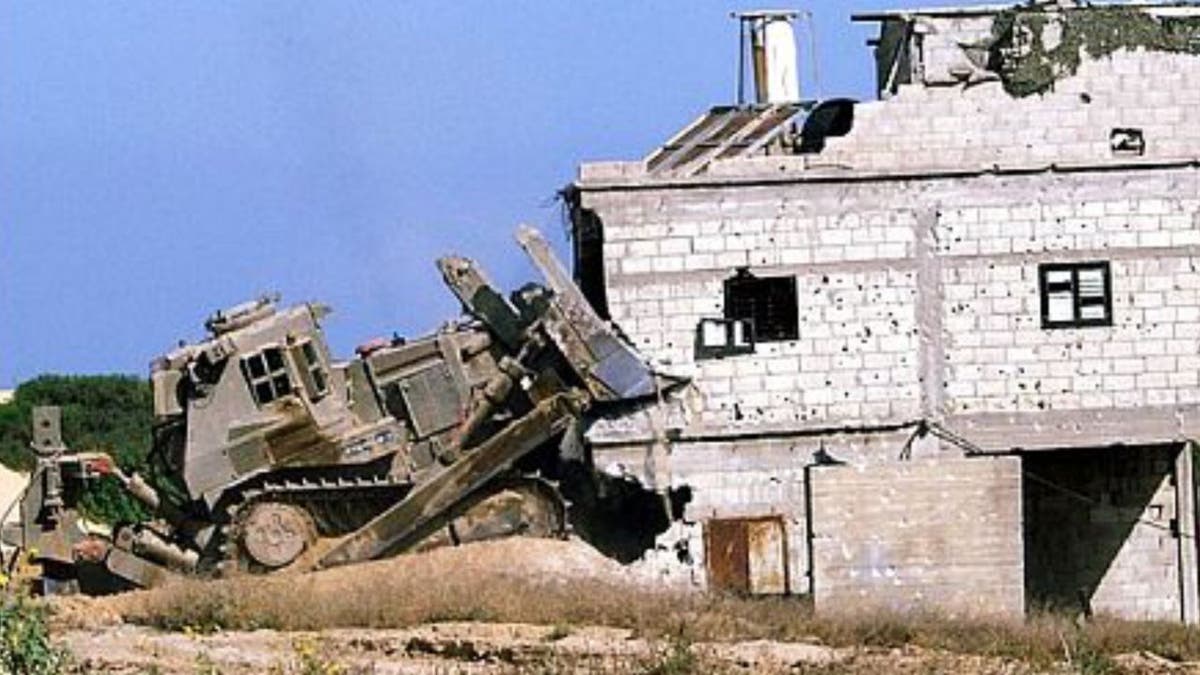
point(25, 646)
point(106, 413)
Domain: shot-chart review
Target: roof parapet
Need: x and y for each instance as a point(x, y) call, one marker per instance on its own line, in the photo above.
point(988, 10)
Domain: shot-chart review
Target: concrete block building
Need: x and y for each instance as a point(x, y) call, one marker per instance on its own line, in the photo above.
point(944, 346)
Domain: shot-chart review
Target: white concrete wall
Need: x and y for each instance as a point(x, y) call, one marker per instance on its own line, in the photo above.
point(668, 252)
point(978, 125)
point(998, 358)
point(915, 244)
point(867, 313)
point(908, 535)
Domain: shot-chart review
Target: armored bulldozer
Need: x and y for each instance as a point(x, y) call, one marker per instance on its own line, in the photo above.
point(274, 455)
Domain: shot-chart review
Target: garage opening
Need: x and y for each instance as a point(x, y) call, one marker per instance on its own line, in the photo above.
point(1102, 531)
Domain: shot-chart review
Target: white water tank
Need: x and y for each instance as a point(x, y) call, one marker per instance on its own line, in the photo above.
point(773, 44)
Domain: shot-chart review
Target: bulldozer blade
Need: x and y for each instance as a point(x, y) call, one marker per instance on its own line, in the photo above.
point(410, 520)
point(612, 370)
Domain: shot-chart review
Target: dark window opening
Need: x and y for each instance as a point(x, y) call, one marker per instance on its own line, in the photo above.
point(274, 358)
point(1127, 142)
point(255, 366)
point(266, 375)
point(317, 382)
point(393, 401)
point(1075, 295)
point(768, 303)
point(587, 239)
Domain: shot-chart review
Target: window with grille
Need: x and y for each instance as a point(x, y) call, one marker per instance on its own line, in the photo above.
point(1075, 295)
point(768, 303)
point(266, 374)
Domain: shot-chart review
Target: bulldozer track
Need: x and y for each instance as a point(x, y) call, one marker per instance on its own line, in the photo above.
point(335, 505)
point(338, 506)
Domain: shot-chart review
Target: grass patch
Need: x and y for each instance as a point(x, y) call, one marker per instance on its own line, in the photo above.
point(459, 586)
point(675, 658)
point(680, 619)
point(25, 645)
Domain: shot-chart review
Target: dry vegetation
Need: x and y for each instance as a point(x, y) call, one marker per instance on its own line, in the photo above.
point(562, 585)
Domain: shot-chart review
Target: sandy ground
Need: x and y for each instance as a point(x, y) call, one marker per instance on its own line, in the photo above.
point(517, 648)
point(501, 648)
point(436, 648)
point(95, 631)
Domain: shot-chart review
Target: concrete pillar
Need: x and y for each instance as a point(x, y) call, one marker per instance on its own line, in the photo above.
point(931, 357)
point(1185, 494)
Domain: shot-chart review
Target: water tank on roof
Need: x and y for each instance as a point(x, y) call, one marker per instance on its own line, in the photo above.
point(773, 55)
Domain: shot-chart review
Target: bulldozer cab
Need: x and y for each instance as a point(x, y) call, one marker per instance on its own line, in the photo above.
point(261, 391)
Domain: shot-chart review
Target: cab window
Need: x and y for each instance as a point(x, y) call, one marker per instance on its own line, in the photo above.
point(318, 382)
point(266, 375)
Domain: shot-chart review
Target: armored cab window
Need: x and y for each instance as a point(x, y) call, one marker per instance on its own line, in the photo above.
point(1075, 295)
point(767, 303)
point(266, 374)
point(313, 371)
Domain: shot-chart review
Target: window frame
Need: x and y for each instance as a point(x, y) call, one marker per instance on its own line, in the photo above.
point(732, 345)
point(269, 377)
point(312, 369)
point(1077, 320)
point(732, 311)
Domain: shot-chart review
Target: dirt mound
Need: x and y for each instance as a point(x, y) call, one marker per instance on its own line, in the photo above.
point(475, 581)
point(524, 605)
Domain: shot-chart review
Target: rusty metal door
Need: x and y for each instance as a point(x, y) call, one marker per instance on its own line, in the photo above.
point(727, 551)
point(767, 547)
point(747, 555)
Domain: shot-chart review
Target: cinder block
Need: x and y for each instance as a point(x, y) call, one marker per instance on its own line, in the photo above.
point(667, 264)
point(643, 248)
point(634, 265)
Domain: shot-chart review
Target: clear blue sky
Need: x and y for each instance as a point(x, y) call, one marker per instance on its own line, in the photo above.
point(159, 160)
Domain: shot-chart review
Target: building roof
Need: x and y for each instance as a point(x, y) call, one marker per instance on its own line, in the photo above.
point(725, 132)
point(954, 116)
